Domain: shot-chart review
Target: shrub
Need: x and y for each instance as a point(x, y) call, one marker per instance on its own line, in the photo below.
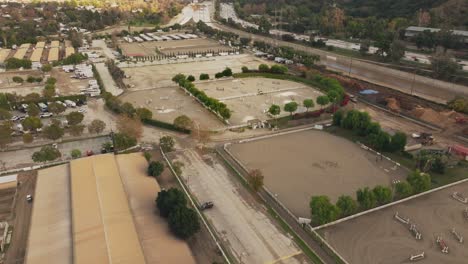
point(191, 78)
point(183, 222)
point(219, 75)
point(18, 79)
point(263, 68)
point(155, 168)
point(204, 76)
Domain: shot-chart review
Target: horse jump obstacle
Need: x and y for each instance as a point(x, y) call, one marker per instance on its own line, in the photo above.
point(415, 232)
point(401, 219)
point(443, 247)
point(412, 227)
point(417, 257)
point(457, 235)
point(459, 197)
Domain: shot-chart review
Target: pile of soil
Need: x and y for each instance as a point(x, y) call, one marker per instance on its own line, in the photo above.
point(429, 115)
point(393, 104)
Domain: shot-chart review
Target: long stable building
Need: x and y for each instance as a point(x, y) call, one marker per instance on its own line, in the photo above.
point(103, 227)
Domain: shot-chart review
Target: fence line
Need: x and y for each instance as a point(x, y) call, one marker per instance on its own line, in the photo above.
point(195, 206)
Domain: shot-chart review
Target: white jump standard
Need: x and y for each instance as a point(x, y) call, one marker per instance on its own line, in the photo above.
point(417, 257)
point(415, 232)
point(412, 227)
point(443, 246)
point(457, 235)
point(459, 197)
point(402, 219)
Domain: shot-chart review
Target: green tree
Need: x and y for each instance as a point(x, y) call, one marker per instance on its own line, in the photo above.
point(147, 156)
point(31, 123)
point(308, 103)
point(96, 126)
point(4, 114)
point(56, 108)
point(76, 130)
point(366, 198)
point(278, 69)
point(397, 50)
point(144, 113)
point(191, 78)
point(33, 110)
point(128, 109)
point(382, 194)
point(275, 110)
point(5, 134)
point(53, 131)
point(419, 181)
point(46, 68)
point(323, 100)
point(338, 117)
point(183, 122)
point(76, 153)
point(183, 222)
point(347, 205)
point(155, 168)
point(123, 141)
point(322, 211)
point(168, 200)
point(263, 68)
point(380, 141)
point(167, 143)
point(255, 179)
point(17, 79)
point(290, 107)
point(227, 72)
point(74, 118)
point(398, 142)
point(204, 76)
point(245, 69)
point(47, 153)
point(28, 138)
point(443, 64)
point(403, 189)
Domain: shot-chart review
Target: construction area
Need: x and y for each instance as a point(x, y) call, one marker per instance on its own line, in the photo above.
point(309, 163)
point(250, 98)
point(431, 228)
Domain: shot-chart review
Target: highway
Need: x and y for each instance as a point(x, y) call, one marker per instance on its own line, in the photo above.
point(427, 88)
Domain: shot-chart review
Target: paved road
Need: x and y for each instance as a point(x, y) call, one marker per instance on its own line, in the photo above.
point(107, 79)
point(245, 226)
point(314, 245)
point(427, 88)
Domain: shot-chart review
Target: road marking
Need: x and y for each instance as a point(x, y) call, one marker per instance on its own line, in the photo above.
point(284, 258)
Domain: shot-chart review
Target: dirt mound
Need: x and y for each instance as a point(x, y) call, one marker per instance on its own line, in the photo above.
point(393, 104)
point(429, 115)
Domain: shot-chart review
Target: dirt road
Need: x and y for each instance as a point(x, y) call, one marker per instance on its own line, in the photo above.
point(244, 225)
point(22, 218)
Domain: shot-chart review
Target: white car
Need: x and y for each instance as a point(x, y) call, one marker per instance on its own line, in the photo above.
point(81, 110)
point(14, 118)
point(44, 115)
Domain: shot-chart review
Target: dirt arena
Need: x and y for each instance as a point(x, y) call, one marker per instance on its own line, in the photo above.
point(250, 98)
point(379, 238)
point(156, 76)
point(171, 102)
point(8, 86)
point(299, 165)
point(152, 48)
point(159, 245)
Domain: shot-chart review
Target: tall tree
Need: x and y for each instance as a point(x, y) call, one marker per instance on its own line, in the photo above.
point(347, 205)
point(322, 211)
point(290, 107)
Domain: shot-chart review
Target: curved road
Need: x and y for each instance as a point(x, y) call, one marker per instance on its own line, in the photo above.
point(427, 88)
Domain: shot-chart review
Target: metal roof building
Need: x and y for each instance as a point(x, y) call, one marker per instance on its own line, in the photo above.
point(37, 55)
point(4, 54)
point(53, 54)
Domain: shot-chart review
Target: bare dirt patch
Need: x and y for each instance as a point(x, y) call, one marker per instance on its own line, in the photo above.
point(309, 163)
point(379, 238)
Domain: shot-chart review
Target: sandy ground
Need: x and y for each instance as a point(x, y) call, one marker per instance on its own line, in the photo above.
point(245, 227)
point(103, 227)
point(21, 218)
point(171, 102)
point(107, 79)
point(158, 243)
point(242, 96)
point(66, 85)
point(50, 238)
point(310, 163)
point(8, 86)
point(379, 238)
point(160, 75)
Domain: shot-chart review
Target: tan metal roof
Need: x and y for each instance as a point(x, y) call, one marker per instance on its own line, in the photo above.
point(69, 51)
point(36, 55)
point(25, 46)
point(68, 43)
point(54, 44)
point(53, 54)
point(50, 239)
point(4, 54)
point(19, 54)
point(103, 227)
point(40, 44)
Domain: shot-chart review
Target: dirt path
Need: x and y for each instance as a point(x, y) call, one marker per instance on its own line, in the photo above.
point(22, 213)
point(252, 236)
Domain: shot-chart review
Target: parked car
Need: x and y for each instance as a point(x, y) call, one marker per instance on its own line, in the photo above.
point(206, 205)
point(44, 115)
point(29, 198)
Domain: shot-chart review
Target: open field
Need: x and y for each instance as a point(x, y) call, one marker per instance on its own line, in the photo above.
point(7, 195)
point(171, 102)
point(299, 165)
point(158, 243)
point(103, 226)
point(250, 98)
point(21, 221)
point(50, 238)
point(156, 76)
point(65, 84)
point(8, 86)
point(379, 238)
point(238, 219)
point(172, 47)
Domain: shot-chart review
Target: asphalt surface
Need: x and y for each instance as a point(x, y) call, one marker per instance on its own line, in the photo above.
point(430, 89)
